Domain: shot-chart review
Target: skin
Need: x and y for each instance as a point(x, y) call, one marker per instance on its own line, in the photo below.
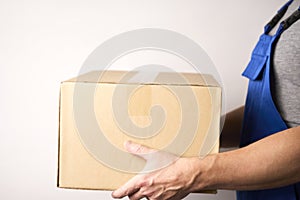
point(268, 163)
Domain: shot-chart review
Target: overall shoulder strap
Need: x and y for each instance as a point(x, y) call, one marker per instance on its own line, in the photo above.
point(280, 13)
point(284, 25)
point(261, 51)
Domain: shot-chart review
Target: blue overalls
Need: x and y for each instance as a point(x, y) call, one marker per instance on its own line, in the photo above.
point(261, 117)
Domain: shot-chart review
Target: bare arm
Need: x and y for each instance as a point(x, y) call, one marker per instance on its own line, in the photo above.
point(271, 162)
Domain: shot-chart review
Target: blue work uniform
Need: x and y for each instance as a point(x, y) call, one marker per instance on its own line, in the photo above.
point(261, 117)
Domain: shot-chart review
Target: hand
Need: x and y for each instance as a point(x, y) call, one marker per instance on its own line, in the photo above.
point(173, 181)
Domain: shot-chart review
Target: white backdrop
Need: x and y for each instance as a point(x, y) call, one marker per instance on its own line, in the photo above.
point(45, 42)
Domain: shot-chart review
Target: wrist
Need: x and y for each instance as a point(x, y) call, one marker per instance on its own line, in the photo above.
point(205, 175)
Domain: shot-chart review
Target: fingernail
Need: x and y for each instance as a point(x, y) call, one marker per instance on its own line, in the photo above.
point(127, 144)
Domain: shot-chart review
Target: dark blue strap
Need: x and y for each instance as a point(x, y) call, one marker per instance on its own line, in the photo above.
point(277, 17)
point(254, 67)
point(262, 50)
point(258, 58)
point(285, 6)
point(289, 21)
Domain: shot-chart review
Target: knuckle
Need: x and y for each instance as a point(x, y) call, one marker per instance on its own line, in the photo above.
point(141, 182)
point(146, 182)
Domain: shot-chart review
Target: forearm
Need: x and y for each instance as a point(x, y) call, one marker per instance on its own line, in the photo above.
point(271, 162)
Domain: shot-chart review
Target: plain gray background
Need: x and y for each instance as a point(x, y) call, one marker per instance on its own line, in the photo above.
point(45, 42)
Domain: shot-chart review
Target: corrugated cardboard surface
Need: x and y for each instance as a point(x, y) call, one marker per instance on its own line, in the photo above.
point(79, 168)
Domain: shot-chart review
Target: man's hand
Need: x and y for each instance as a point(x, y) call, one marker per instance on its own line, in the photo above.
point(173, 181)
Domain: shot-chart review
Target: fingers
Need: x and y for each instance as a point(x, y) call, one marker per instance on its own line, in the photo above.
point(129, 188)
point(136, 196)
point(133, 185)
point(145, 192)
point(141, 185)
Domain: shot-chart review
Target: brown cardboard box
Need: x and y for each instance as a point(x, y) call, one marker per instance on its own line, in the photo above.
point(99, 111)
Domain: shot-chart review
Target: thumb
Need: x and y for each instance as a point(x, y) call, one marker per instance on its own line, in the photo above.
point(155, 159)
point(138, 149)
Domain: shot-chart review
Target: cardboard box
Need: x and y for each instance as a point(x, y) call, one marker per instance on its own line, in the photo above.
point(99, 111)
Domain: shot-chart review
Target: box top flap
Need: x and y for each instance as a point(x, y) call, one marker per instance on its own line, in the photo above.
point(146, 77)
